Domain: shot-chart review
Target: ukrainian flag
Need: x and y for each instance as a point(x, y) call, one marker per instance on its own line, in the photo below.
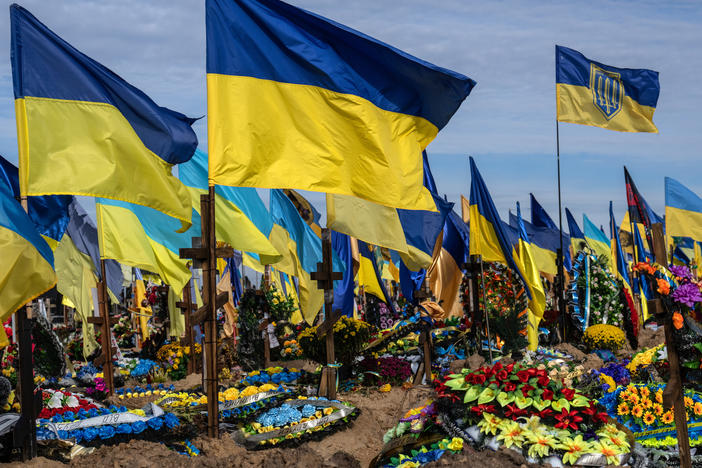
point(446, 273)
point(530, 272)
point(577, 238)
point(27, 267)
point(597, 240)
point(545, 243)
point(49, 213)
point(592, 93)
point(369, 274)
point(242, 220)
point(488, 236)
point(298, 101)
point(541, 219)
point(411, 233)
point(621, 265)
point(144, 238)
point(304, 251)
point(683, 211)
point(83, 130)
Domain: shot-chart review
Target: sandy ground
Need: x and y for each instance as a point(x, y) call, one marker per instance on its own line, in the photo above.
point(354, 447)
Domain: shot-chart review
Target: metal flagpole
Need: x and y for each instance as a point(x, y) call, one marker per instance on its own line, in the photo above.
point(559, 258)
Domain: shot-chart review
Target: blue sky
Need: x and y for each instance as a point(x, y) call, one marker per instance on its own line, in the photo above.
point(507, 123)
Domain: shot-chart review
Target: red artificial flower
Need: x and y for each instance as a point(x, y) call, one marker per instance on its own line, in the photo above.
point(509, 368)
point(502, 375)
point(545, 413)
point(479, 379)
point(547, 394)
point(509, 386)
point(568, 393)
point(596, 416)
point(523, 376)
point(497, 367)
point(513, 412)
point(526, 389)
point(543, 381)
point(480, 409)
point(568, 419)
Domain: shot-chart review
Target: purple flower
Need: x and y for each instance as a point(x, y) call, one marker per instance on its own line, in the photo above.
point(687, 294)
point(681, 271)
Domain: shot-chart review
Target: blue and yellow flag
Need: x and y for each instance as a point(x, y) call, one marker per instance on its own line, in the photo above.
point(242, 220)
point(620, 264)
point(343, 290)
point(683, 211)
point(488, 236)
point(577, 238)
point(83, 130)
point(27, 266)
point(530, 272)
point(545, 243)
point(597, 240)
point(369, 274)
point(49, 213)
point(592, 93)
point(298, 101)
point(541, 220)
point(144, 238)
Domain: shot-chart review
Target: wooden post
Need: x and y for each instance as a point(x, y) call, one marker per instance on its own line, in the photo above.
point(204, 253)
point(187, 307)
point(26, 373)
point(673, 393)
point(425, 335)
point(264, 304)
point(325, 277)
point(107, 369)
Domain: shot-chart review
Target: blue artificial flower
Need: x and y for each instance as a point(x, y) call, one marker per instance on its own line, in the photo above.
point(77, 434)
point(124, 429)
point(63, 434)
point(138, 427)
point(171, 420)
point(57, 418)
point(106, 432)
point(155, 423)
point(90, 433)
point(93, 412)
point(69, 416)
point(307, 411)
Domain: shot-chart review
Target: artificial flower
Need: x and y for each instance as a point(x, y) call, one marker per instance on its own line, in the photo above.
point(574, 448)
point(511, 434)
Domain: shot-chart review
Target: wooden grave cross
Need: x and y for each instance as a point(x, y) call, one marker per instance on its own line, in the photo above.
point(673, 393)
point(187, 307)
point(204, 253)
point(325, 277)
point(263, 326)
point(424, 341)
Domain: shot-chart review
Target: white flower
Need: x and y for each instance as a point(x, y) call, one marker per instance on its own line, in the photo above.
point(72, 402)
point(55, 401)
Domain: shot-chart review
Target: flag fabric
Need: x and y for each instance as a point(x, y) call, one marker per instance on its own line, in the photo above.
point(465, 209)
point(84, 235)
point(83, 130)
point(141, 304)
point(298, 101)
point(343, 290)
point(530, 272)
point(49, 213)
point(27, 267)
point(242, 220)
point(410, 281)
point(446, 273)
point(369, 274)
point(620, 270)
point(683, 211)
point(411, 233)
point(639, 211)
point(76, 280)
point(545, 243)
point(592, 93)
point(306, 209)
point(488, 236)
point(144, 238)
point(597, 240)
point(539, 216)
point(304, 251)
point(577, 238)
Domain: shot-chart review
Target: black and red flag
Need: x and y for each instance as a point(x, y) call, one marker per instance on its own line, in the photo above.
point(639, 211)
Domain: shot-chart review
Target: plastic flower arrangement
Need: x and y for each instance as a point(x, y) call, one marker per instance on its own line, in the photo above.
point(524, 408)
point(390, 370)
point(603, 336)
point(174, 358)
point(605, 303)
point(296, 421)
point(291, 350)
point(56, 403)
point(349, 335)
point(139, 392)
point(426, 453)
point(275, 375)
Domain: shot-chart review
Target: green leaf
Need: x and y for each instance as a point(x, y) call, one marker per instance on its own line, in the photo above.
point(523, 402)
point(457, 384)
point(540, 404)
point(486, 396)
point(472, 393)
point(560, 404)
point(580, 401)
point(504, 398)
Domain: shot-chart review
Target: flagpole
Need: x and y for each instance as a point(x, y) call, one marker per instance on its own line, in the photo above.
point(487, 318)
point(559, 259)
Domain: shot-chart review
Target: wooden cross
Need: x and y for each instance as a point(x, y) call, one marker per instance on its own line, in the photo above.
point(204, 253)
point(187, 306)
point(424, 339)
point(673, 393)
point(263, 326)
point(106, 323)
point(325, 277)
